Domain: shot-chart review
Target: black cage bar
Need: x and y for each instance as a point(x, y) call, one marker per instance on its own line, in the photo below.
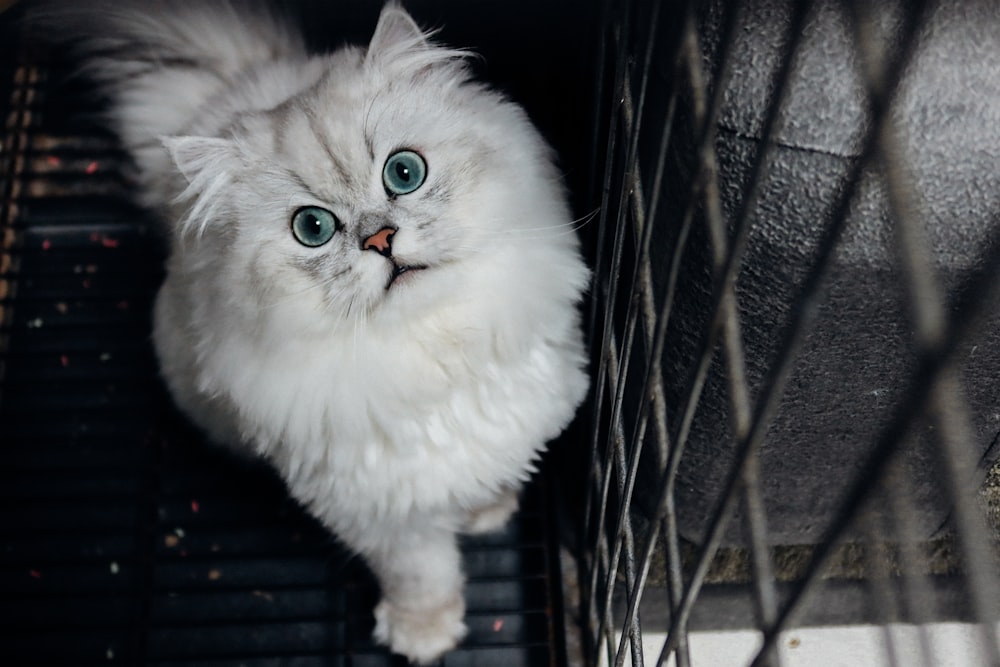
point(794, 325)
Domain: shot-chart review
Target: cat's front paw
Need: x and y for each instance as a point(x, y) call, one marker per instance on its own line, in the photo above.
point(422, 635)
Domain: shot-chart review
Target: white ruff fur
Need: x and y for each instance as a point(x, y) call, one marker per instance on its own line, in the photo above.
point(398, 416)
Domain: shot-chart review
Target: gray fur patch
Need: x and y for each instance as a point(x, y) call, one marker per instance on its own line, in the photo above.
point(342, 170)
point(318, 267)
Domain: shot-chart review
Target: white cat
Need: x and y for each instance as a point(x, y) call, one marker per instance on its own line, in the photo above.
point(373, 278)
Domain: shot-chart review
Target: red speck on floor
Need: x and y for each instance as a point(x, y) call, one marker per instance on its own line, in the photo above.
point(46, 244)
point(53, 160)
point(195, 507)
point(92, 168)
point(64, 360)
point(498, 625)
point(109, 243)
point(34, 574)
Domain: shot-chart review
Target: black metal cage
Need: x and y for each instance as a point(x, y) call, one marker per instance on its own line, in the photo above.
point(795, 332)
point(794, 413)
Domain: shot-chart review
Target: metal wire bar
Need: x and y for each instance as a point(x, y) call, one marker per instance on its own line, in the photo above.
point(691, 52)
point(599, 105)
point(750, 429)
point(950, 414)
point(927, 307)
point(625, 540)
point(762, 572)
point(948, 407)
point(739, 397)
point(606, 621)
point(759, 166)
point(917, 595)
point(605, 625)
point(983, 292)
point(762, 160)
point(692, 56)
point(631, 183)
point(765, 593)
point(861, 20)
point(600, 287)
point(877, 572)
point(643, 266)
point(657, 401)
point(633, 120)
point(634, 629)
point(772, 387)
point(632, 116)
point(741, 230)
point(654, 380)
point(625, 537)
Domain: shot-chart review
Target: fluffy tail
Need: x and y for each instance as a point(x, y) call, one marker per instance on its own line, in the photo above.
point(161, 60)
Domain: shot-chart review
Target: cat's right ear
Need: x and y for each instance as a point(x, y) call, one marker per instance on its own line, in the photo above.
point(396, 34)
point(200, 159)
point(401, 47)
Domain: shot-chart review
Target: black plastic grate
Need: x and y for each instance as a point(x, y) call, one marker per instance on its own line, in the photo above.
point(125, 539)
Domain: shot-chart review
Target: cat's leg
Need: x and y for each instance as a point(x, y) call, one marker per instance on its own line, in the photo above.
point(492, 517)
point(422, 609)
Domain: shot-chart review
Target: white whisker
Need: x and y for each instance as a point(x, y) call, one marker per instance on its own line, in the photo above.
point(294, 295)
point(543, 230)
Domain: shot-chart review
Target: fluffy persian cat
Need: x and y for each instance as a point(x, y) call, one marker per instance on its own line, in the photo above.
point(372, 280)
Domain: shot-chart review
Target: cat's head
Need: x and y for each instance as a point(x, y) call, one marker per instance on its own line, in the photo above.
point(390, 183)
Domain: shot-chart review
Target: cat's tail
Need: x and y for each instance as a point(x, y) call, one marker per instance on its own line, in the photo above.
point(160, 60)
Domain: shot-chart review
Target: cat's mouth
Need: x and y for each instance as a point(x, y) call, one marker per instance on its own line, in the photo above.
point(402, 273)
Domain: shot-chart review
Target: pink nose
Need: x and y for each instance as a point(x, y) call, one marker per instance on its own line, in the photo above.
point(380, 241)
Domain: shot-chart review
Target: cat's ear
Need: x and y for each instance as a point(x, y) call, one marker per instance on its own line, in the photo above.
point(396, 34)
point(200, 158)
point(400, 46)
point(209, 165)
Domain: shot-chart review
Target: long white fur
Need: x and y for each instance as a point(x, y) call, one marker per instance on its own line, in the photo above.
point(399, 416)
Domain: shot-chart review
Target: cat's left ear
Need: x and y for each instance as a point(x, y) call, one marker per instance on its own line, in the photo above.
point(201, 159)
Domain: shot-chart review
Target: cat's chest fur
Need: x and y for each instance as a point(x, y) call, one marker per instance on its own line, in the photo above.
point(436, 412)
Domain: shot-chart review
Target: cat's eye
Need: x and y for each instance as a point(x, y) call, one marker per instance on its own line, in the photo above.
point(404, 172)
point(313, 226)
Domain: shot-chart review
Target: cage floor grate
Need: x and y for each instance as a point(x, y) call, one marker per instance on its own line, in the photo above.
point(126, 539)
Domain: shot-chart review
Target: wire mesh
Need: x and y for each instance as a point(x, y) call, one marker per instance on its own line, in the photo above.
point(751, 153)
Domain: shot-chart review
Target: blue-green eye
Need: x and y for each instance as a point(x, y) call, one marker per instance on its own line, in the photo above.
point(313, 226)
point(403, 173)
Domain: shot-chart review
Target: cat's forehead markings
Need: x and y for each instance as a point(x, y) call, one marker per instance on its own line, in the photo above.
point(322, 138)
point(305, 186)
point(369, 145)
